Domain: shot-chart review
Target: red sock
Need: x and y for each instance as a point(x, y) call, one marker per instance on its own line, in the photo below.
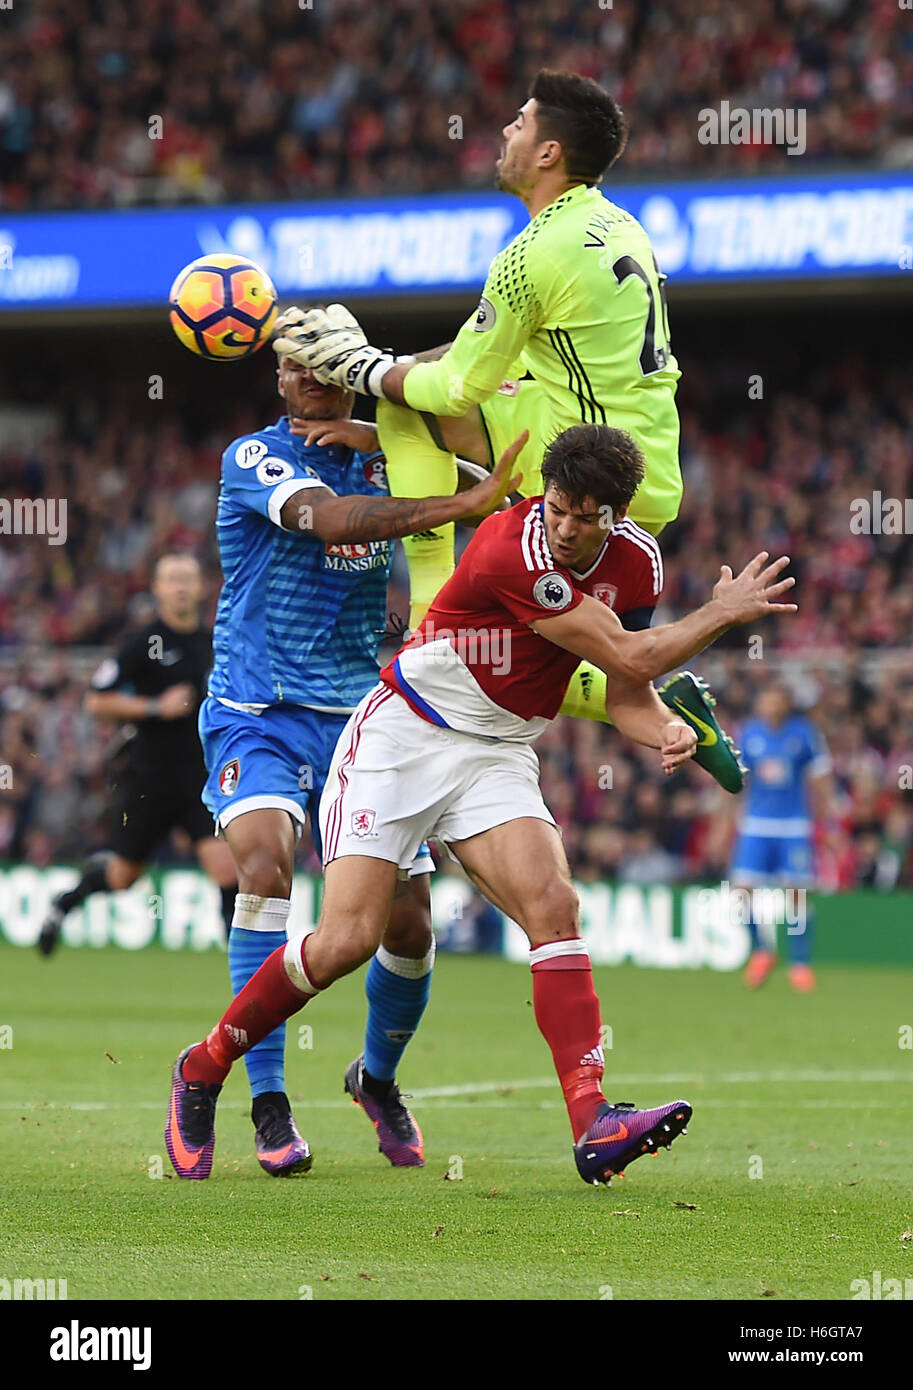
point(567, 1012)
point(268, 999)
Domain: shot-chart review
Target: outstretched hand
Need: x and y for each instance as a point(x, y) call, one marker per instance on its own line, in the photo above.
point(488, 495)
point(752, 593)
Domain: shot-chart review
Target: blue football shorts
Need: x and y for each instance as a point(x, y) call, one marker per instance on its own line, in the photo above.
point(773, 859)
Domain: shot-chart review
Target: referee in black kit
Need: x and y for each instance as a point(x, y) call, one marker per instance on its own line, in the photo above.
point(155, 686)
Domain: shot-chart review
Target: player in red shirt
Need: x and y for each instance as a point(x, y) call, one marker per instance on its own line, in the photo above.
point(440, 748)
point(511, 578)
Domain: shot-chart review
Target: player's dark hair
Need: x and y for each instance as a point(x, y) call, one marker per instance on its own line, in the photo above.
point(586, 121)
point(594, 461)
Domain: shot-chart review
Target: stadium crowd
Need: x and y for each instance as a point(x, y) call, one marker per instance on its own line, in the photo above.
point(301, 100)
point(783, 478)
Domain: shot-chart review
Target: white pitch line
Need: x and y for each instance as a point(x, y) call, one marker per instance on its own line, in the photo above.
point(481, 1088)
point(734, 1078)
point(862, 1103)
point(507, 1088)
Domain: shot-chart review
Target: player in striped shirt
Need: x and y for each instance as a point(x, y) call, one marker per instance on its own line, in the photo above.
point(572, 326)
point(441, 747)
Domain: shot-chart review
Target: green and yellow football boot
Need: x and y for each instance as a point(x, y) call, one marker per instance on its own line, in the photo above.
point(690, 697)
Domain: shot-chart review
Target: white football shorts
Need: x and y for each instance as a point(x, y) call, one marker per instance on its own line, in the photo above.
point(396, 780)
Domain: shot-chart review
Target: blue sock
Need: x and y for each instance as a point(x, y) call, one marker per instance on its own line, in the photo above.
point(799, 944)
point(763, 934)
point(397, 990)
point(258, 929)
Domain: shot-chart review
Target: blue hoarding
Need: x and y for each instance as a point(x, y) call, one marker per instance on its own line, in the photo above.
point(703, 233)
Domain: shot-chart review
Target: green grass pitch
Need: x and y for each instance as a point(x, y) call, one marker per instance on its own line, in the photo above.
point(812, 1095)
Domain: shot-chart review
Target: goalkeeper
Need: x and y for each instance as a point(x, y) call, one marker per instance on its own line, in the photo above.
point(572, 326)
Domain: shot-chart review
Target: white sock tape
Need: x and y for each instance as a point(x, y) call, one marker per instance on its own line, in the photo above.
point(253, 913)
point(291, 959)
point(573, 946)
point(404, 966)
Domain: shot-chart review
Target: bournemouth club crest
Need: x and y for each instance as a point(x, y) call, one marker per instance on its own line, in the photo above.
point(375, 471)
point(229, 777)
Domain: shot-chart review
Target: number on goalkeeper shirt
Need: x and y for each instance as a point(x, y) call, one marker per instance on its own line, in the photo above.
point(654, 356)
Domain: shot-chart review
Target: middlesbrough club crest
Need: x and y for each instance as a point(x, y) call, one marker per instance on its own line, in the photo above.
point(363, 824)
point(606, 593)
point(228, 778)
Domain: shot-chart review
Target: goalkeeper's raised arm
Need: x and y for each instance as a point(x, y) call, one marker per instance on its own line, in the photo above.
point(332, 344)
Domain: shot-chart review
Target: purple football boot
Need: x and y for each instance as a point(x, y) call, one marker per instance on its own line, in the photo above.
point(620, 1133)
point(190, 1135)
point(280, 1148)
point(398, 1136)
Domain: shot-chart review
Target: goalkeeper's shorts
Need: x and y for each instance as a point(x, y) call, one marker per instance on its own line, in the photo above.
point(525, 405)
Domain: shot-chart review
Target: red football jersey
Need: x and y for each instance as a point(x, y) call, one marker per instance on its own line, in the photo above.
point(475, 664)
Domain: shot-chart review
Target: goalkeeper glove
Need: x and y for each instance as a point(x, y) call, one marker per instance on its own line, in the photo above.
point(332, 344)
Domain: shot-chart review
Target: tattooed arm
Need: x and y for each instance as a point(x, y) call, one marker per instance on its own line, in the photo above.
point(319, 512)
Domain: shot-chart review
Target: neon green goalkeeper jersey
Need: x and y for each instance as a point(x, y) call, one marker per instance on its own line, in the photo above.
point(572, 326)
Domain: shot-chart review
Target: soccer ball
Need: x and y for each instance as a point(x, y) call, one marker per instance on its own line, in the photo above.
point(223, 306)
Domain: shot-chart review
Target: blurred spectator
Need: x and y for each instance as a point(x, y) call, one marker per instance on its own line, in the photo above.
point(261, 101)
